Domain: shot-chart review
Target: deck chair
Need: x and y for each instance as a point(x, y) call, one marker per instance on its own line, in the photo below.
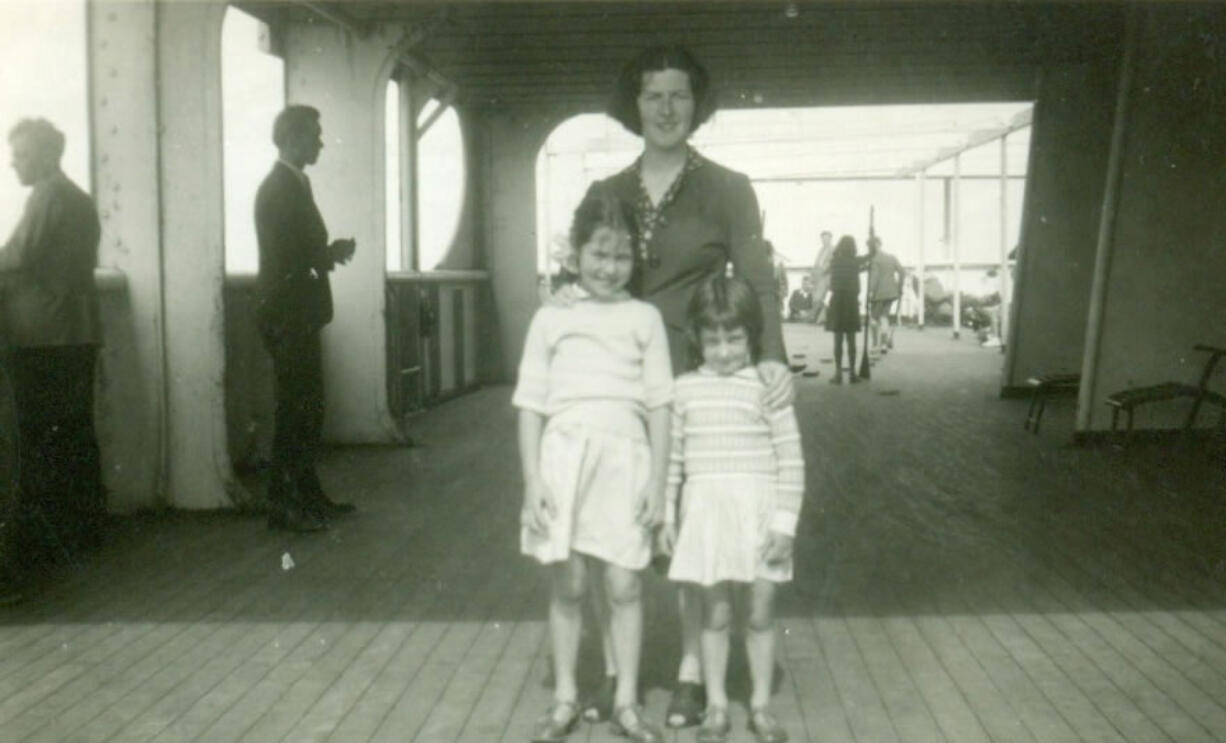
point(1126, 401)
point(1042, 387)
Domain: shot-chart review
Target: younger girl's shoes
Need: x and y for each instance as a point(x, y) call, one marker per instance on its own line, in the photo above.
point(557, 723)
point(765, 727)
point(715, 726)
point(628, 722)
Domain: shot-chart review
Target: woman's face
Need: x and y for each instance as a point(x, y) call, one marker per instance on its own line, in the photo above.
point(666, 108)
point(605, 263)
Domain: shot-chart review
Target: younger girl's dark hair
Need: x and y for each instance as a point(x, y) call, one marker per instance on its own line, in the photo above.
point(726, 302)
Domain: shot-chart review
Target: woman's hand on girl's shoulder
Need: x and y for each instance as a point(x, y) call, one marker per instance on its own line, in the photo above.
point(564, 296)
point(780, 388)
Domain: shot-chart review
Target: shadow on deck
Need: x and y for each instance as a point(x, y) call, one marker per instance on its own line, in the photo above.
point(953, 571)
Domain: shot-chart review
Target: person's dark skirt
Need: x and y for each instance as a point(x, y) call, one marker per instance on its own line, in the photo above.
point(843, 314)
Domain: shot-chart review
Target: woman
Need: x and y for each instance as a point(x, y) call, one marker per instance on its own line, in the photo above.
point(843, 314)
point(695, 217)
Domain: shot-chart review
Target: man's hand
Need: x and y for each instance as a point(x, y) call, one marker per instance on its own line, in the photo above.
point(778, 548)
point(780, 390)
point(341, 250)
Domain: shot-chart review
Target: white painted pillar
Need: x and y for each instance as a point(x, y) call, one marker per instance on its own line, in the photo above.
point(131, 403)
point(1003, 276)
point(410, 217)
point(508, 203)
point(193, 257)
point(1087, 393)
point(955, 243)
point(345, 78)
point(155, 82)
point(920, 185)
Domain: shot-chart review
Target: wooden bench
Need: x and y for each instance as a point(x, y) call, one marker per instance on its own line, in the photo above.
point(1127, 400)
point(1042, 387)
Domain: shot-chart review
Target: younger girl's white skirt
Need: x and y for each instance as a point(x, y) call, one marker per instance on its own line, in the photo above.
point(596, 469)
point(723, 525)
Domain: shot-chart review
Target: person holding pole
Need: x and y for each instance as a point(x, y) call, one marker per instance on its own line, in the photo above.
point(885, 277)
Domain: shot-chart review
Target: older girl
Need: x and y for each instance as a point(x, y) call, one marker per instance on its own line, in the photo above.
point(593, 393)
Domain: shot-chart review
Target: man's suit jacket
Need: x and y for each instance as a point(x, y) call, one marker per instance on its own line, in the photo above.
point(47, 293)
point(294, 293)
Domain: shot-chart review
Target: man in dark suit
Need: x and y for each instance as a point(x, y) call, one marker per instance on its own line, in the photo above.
point(295, 302)
point(49, 309)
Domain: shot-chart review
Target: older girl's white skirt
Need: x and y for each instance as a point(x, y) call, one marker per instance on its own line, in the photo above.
point(724, 522)
point(596, 474)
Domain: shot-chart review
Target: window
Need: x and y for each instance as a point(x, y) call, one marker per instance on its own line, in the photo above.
point(440, 173)
point(392, 195)
point(253, 93)
point(43, 36)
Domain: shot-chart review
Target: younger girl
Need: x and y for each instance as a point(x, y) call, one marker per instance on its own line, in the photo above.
point(594, 386)
point(843, 315)
point(738, 470)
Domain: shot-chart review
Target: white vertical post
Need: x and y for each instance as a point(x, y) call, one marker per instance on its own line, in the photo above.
point(920, 185)
point(955, 241)
point(1003, 310)
point(408, 172)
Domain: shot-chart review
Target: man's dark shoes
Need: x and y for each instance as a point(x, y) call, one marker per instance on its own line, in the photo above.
point(686, 707)
point(328, 508)
point(295, 519)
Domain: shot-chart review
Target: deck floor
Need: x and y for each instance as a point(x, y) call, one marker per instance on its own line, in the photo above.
point(958, 579)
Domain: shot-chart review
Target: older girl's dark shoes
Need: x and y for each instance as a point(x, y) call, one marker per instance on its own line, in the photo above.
point(628, 722)
point(715, 726)
point(557, 723)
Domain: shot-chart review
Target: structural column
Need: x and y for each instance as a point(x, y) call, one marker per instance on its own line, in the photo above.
point(156, 109)
point(346, 78)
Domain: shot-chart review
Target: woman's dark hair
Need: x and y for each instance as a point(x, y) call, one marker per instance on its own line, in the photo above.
point(726, 302)
point(845, 249)
point(623, 105)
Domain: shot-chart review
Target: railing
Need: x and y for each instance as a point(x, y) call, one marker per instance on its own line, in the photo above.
point(438, 336)
point(439, 345)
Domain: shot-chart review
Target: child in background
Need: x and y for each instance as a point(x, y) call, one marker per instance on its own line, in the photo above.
point(593, 393)
point(737, 469)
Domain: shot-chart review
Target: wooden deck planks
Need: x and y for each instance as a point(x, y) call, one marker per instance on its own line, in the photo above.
point(1078, 598)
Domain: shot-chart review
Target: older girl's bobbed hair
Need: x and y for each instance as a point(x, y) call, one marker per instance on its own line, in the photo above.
point(623, 105)
point(601, 208)
point(726, 302)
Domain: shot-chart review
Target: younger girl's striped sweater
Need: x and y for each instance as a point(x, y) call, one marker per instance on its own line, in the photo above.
point(720, 427)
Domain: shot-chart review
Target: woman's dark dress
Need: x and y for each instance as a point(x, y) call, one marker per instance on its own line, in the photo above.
point(843, 314)
point(708, 219)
